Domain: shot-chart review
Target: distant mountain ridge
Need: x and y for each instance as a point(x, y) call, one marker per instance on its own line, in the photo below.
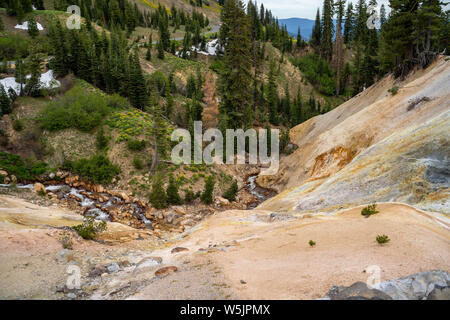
point(292, 24)
point(306, 26)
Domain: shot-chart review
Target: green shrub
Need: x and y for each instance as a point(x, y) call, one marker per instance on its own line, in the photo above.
point(382, 239)
point(13, 45)
point(312, 243)
point(158, 197)
point(116, 101)
point(393, 90)
point(231, 193)
point(101, 139)
point(207, 195)
point(79, 108)
point(97, 169)
point(136, 145)
point(369, 210)
point(23, 169)
point(189, 196)
point(138, 163)
point(172, 192)
point(90, 228)
point(18, 125)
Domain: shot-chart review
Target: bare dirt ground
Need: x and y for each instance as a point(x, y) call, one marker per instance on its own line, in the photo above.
point(276, 262)
point(231, 255)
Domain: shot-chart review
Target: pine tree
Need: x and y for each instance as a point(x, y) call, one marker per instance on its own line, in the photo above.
point(326, 45)
point(231, 193)
point(382, 15)
point(158, 131)
point(33, 30)
point(160, 48)
point(158, 197)
point(299, 38)
point(339, 50)
point(348, 25)
point(173, 196)
point(236, 80)
point(207, 195)
point(137, 84)
point(5, 102)
point(33, 83)
point(317, 31)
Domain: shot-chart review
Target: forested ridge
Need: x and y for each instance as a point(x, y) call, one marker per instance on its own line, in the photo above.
point(152, 58)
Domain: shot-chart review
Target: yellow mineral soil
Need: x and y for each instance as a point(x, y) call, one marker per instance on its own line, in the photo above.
point(327, 143)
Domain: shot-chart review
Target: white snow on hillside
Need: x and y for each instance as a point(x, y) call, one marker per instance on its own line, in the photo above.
point(24, 26)
point(47, 82)
point(211, 49)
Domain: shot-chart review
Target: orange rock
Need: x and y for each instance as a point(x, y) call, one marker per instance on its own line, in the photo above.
point(165, 271)
point(179, 249)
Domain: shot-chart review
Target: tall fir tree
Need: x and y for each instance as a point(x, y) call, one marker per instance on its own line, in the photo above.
point(316, 35)
point(236, 79)
point(326, 45)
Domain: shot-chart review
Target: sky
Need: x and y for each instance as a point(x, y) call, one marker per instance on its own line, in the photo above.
point(300, 8)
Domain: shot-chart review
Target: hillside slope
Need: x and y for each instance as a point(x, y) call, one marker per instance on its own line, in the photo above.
point(374, 147)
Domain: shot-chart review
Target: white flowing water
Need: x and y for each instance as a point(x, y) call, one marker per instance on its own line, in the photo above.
point(261, 194)
point(89, 200)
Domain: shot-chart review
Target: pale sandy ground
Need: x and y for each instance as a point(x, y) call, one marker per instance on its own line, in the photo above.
point(273, 258)
point(276, 261)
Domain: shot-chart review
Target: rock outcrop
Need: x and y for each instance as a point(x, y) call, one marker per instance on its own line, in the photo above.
point(374, 148)
point(428, 285)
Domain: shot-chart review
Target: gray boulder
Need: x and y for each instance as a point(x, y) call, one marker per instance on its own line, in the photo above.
point(417, 286)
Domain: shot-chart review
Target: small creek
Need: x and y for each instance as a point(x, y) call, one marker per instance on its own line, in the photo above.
point(261, 194)
point(97, 205)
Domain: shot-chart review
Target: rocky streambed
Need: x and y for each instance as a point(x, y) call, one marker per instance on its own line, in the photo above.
point(259, 193)
point(94, 201)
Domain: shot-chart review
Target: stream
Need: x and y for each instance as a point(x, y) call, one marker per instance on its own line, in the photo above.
point(261, 194)
point(96, 205)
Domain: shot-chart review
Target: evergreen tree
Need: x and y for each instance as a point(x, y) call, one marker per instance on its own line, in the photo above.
point(5, 102)
point(33, 83)
point(159, 132)
point(160, 48)
point(317, 31)
point(348, 25)
point(158, 197)
point(231, 193)
point(236, 79)
point(328, 30)
point(339, 50)
point(382, 15)
point(33, 30)
point(137, 84)
point(207, 195)
point(299, 38)
point(172, 192)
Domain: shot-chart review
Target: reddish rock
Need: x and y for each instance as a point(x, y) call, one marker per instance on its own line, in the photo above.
point(165, 271)
point(179, 249)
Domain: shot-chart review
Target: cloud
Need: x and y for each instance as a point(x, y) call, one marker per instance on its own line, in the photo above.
point(298, 8)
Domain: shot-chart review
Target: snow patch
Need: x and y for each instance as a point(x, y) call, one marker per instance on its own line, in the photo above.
point(47, 81)
point(24, 26)
point(211, 49)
